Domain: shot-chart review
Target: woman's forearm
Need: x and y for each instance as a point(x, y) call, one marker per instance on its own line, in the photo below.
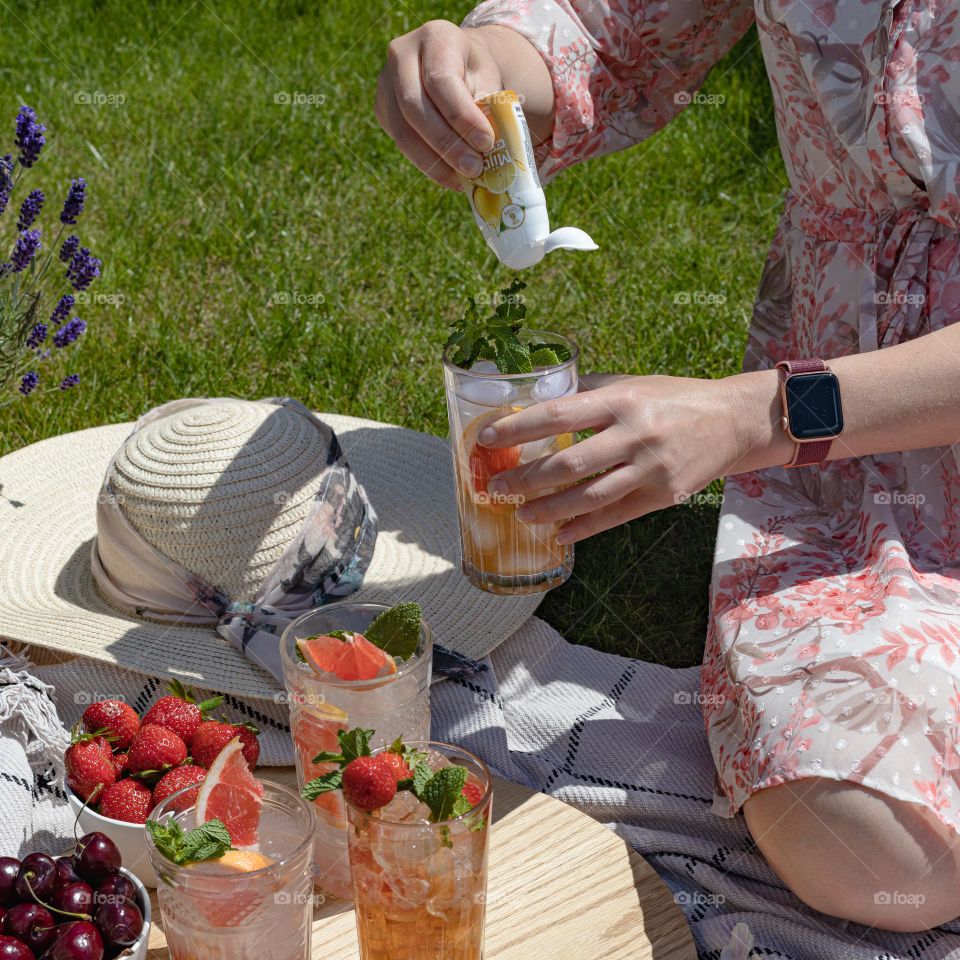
point(522, 69)
point(905, 397)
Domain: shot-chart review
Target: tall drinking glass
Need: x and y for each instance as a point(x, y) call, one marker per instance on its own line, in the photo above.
point(498, 552)
point(420, 887)
point(215, 911)
point(394, 706)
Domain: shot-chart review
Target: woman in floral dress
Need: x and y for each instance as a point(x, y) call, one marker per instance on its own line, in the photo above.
point(831, 680)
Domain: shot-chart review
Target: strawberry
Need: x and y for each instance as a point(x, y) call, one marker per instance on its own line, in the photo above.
point(213, 735)
point(128, 800)
point(177, 779)
point(89, 766)
point(155, 748)
point(473, 792)
point(121, 763)
point(116, 720)
point(178, 711)
point(397, 765)
point(486, 463)
point(369, 783)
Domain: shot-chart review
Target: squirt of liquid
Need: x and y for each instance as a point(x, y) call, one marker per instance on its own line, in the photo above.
point(507, 200)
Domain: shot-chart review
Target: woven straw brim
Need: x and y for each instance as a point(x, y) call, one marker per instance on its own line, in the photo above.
point(48, 495)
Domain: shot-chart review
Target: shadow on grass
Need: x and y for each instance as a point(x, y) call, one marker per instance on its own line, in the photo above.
point(641, 590)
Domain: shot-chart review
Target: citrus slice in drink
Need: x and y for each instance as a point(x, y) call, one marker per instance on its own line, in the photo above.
point(314, 732)
point(352, 658)
point(485, 462)
point(244, 861)
point(232, 794)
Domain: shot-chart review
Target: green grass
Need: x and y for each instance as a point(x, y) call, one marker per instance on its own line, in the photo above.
point(208, 199)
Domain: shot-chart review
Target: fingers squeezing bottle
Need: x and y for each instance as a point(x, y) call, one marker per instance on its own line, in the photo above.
point(507, 200)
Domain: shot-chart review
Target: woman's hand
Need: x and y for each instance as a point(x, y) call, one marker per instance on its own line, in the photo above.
point(658, 440)
point(433, 75)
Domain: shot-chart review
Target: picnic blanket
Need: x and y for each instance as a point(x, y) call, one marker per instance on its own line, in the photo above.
point(620, 739)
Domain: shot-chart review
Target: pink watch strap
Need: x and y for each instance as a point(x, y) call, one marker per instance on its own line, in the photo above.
point(813, 451)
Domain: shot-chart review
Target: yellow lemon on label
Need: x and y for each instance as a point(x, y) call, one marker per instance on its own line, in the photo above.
point(489, 206)
point(501, 179)
point(501, 111)
point(244, 861)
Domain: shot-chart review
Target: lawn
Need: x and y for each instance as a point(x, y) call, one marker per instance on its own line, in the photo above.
point(261, 236)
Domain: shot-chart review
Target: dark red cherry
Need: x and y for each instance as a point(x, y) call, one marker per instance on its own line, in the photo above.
point(74, 898)
point(32, 924)
point(37, 878)
point(66, 871)
point(78, 940)
point(115, 889)
point(13, 949)
point(9, 868)
point(120, 923)
point(97, 857)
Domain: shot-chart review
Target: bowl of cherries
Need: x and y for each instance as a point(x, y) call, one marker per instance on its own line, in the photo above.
point(81, 906)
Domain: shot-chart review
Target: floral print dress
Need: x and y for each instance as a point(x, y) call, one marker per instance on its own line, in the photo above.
point(834, 637)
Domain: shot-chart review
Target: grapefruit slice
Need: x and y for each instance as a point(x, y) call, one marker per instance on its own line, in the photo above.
point(353, 658)
point(484, 461)
point(316, 731)
point(232, 794)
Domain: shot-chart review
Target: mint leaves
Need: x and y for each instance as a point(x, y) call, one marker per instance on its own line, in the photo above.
point(496, 337)
point(207, 842)
point(397, 630)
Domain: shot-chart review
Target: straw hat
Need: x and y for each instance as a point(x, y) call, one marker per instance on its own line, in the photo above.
point(229, 531)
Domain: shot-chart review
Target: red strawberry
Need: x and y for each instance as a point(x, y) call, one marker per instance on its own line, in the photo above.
point(177, 779)
point(117, 720)
point(120, 763)
point(396, 764)
point(89, 766)
point(473, 792)
point(128, 800)
point(369, 783)
point(179, 712)
point(486, 463)
point(213, 735)
point(155, 748)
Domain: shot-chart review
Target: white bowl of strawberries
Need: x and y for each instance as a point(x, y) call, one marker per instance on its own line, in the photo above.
point(119, 766)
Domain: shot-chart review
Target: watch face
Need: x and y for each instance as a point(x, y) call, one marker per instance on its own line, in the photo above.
point(813, 405)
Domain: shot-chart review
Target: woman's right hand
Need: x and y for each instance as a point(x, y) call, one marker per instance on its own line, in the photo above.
point(426, 94)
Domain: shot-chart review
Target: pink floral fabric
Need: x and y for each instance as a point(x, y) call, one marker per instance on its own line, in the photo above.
point(834, 639)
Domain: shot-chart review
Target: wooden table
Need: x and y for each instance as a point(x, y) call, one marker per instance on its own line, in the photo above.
point(562, 887)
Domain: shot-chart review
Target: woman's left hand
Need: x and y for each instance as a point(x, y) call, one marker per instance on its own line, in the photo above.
point(658, 440)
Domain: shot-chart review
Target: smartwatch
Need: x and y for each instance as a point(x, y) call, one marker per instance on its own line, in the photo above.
point(812, 413)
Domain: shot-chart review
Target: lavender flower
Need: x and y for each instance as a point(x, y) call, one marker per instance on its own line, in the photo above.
point(73, 205)
point(62, 310)
point(66, 335)
point(25, 250)
point(6, 180)
point(37, 335)
point(67, 382)
point(30, 209)
point(69, 248)
point(83, 269)
point(29, 383)
point(30, 136)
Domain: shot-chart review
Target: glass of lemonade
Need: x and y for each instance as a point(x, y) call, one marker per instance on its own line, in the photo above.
point(394, 706)
point(499, 553)
point(420, 887)
point(260, 905)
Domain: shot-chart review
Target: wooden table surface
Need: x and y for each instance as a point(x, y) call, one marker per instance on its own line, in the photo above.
point(561, 887)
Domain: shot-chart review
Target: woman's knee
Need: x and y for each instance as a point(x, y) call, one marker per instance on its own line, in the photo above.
point(851, 852)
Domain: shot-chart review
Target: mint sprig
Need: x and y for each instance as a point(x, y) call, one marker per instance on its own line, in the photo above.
point(397, 631)
point(208, 841)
